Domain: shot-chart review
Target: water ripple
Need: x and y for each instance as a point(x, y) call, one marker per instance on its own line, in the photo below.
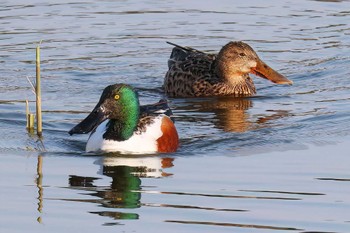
point(236, 225)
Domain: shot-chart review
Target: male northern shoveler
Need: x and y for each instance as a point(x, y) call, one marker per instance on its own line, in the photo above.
point(119, 123)
point(193, 73)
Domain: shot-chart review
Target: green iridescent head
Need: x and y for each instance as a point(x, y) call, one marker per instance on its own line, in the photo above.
point(120, 104)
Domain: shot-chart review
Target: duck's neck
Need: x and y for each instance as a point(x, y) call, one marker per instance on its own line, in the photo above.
point(123, 128)
point(223, 70)
point(237, 84)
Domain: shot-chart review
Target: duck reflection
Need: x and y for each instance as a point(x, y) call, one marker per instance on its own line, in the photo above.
point(124, 191)
point(228, 114)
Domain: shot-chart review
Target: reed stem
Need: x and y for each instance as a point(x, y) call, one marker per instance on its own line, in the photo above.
point(29, 117)
point(38, 94)
point(27, 114)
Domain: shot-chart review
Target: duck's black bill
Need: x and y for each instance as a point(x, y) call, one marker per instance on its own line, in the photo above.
point(90, 122)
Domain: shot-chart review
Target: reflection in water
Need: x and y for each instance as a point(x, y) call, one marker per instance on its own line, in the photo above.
point(80, 181)
point(124, 191)
point(276, 114)
point(230, 114)
point(39, 182)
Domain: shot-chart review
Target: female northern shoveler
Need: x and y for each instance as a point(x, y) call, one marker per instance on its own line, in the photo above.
point(119, 123)
point(193, 73)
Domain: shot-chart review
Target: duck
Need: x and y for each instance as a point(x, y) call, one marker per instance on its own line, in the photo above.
point(193, 73)
point(119, 124)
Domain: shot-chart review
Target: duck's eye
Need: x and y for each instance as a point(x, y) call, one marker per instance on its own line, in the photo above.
point(116, 97)
point(242, 54)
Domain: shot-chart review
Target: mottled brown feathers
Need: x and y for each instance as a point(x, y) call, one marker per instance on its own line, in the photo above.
point(193, 73)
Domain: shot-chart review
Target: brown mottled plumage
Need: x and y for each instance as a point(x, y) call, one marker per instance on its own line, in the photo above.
point(193, 73)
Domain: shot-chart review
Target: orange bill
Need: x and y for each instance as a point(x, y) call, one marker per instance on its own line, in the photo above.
point(265, 71)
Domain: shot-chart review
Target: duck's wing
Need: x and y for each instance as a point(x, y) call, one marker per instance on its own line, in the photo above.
point(190, 71)
point(151, 111)
point(156, 109)
point(180, 53)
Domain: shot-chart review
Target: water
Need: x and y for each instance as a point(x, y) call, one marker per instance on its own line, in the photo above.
point(276, 162)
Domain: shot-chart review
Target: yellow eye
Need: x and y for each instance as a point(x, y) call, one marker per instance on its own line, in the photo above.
point(116, 97)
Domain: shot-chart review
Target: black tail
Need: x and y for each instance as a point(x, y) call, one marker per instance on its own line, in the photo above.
point(180, 53)
point(188, 49)
point(161, 107)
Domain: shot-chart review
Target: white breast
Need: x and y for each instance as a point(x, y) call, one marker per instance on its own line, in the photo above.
point(137, 144)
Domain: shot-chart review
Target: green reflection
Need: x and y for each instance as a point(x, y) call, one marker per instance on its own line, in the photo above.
point(124, 190)
point(123, 187)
